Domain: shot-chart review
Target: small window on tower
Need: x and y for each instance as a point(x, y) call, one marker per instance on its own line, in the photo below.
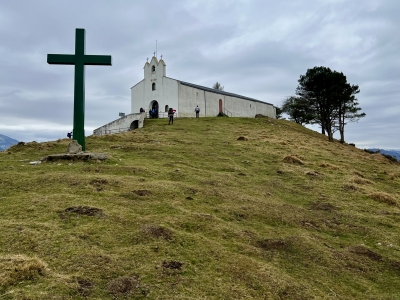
point(153, 86)
point(153, 68)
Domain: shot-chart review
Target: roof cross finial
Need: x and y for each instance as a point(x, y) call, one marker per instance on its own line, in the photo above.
point(147, 59)
point(161, 56)
point(154, 53)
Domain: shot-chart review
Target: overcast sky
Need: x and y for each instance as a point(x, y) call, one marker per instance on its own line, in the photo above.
point(255, 48)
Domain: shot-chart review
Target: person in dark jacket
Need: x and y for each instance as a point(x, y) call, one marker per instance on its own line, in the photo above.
point(197, 110)
point(171, 113)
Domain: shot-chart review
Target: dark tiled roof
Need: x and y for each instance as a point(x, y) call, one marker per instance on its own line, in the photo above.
point(207, 89)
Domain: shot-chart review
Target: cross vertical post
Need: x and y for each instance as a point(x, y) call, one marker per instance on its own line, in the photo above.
point(79, 60)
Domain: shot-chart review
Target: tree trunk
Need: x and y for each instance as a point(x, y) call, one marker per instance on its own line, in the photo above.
point(330, 136)
point(328, 128)
point(341, 130)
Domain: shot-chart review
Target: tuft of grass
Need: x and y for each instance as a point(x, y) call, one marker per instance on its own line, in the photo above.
point(360, 180)
point(329, 166)
point(383, 198)
point(19, 268)
point(293, 160)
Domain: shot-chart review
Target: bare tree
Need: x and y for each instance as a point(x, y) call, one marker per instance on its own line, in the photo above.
point(218, 86)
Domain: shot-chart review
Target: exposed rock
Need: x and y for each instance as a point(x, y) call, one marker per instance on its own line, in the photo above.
point(74, 147)
point(76, 157)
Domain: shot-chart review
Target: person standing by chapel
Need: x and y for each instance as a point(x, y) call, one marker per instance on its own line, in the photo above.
point(197, 110)
point(171, 113)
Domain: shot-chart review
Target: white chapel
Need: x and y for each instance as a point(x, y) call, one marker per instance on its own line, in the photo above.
point(158, 91)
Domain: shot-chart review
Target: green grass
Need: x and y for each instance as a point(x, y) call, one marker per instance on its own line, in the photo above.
point(190, 212)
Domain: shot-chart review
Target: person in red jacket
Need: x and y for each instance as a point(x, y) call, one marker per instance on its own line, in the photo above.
point(171, 113)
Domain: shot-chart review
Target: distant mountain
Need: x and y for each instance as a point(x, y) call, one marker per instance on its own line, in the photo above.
point(394, 153)
point(6, 142)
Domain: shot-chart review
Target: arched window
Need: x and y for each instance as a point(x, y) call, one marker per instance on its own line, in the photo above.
point(166, 108)
point(153, 86)
point(153, 68)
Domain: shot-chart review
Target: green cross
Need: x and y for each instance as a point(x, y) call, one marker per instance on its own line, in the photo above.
point(79, 59)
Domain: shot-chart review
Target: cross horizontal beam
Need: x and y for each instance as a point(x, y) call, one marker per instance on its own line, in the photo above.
point(71, 59)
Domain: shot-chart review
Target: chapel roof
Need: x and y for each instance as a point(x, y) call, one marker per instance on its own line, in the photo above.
point(211, 90)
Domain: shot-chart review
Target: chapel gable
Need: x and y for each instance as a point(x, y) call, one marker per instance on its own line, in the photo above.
point(154, 68)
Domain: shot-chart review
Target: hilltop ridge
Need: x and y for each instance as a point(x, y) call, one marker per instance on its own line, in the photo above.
point(215, 208)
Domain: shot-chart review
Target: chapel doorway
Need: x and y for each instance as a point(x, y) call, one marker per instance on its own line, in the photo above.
point(153, 108)
point(220, 105)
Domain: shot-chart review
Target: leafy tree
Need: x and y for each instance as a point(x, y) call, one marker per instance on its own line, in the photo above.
point(349, 109)
point(279, 112)
point(297, 109)
point(329, 99)
point(218, 86)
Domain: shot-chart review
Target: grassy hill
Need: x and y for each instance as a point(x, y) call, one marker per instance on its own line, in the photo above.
point(190, 212)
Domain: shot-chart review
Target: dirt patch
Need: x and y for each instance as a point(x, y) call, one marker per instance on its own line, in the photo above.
point(85, 287)
point(189, 198)
point(98, 182)
point(395, 265)
point(242, 138)
point(123, 285)
point(293, 160)
point(361, 250)
point(173, 265)
point(85, 210)
point(142, 192)
point(157, 231)
point(273, 244)
point(322, 206)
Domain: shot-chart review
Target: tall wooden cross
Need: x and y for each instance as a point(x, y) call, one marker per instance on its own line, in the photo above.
point(79, 59)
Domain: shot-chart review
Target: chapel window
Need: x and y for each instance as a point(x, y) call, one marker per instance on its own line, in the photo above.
point(153, 86)
point(166, 108)
point(153, 68)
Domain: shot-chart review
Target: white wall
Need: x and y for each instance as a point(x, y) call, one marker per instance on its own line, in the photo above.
point(208, 102)
point(189, 98)
point(137, 97)
point(120, 125)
